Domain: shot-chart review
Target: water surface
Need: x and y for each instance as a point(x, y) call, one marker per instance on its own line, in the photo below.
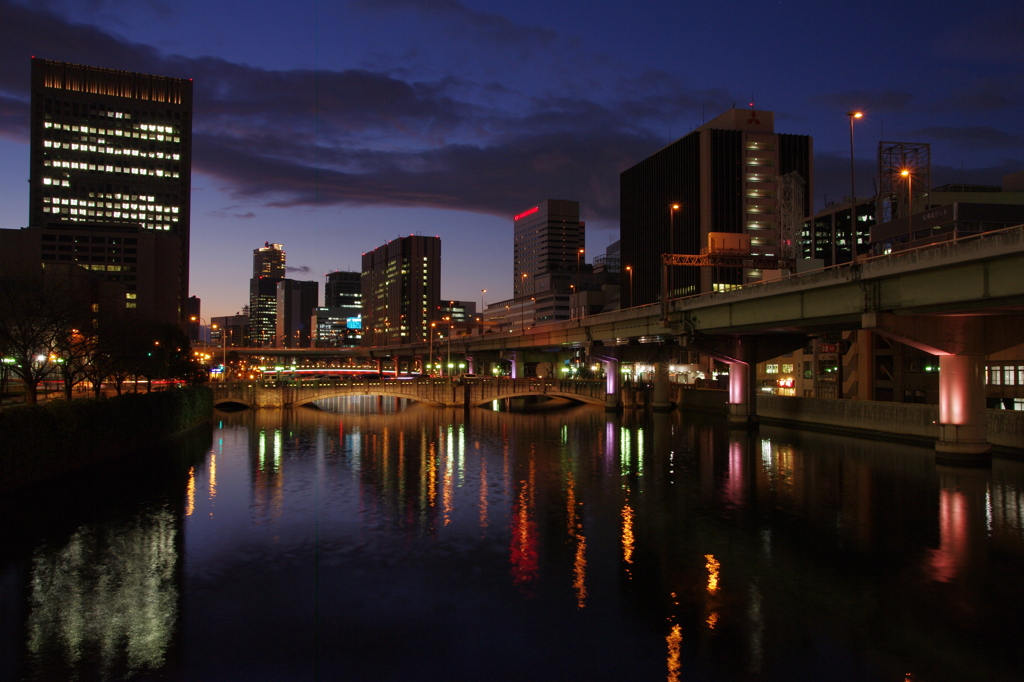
point(395, 541)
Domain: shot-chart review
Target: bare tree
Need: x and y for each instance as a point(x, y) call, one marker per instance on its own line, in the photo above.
point(37, 311)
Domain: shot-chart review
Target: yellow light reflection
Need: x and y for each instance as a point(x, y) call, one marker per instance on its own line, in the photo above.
point(190, 504)
point(446, 485)
point(570, 504)
point(579, 582)
point(674, 639)
point(627, 533)
point(712, 619)
point(712, 565)
point(483, 492)
point(213, 476)
point(432, 468)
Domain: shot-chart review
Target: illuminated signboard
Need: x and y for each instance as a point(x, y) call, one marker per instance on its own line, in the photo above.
point(526, 213)
point(354, 323)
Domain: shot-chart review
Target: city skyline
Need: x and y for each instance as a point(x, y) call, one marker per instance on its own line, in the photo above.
point(332, 144)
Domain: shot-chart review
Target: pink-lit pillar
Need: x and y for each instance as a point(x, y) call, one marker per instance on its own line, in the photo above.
point(613, 397)
point(470, 365)
point(962, 417)
point(742, 409)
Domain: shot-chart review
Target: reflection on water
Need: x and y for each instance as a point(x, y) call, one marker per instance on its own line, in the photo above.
point(107, 594)
point(387, 540)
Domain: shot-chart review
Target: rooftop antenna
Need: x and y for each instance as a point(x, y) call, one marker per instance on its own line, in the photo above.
point(751, 101)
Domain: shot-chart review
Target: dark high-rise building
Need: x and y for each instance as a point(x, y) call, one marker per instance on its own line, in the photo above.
point(344, 290)
point(195, 319)
point(295, 304)
point(723, 177)
point(401, 291)
point(267, 270)
point(111, 155)
point(548, 238)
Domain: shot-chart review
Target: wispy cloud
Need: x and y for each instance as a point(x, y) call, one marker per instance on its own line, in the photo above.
point(874, 101)
point(983, 137)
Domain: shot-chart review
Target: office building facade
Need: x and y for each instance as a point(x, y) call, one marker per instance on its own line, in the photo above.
point(296, 301)
point(723, 177)
point(548, 238)
point(401, 285)
point(110, 157)
point(268, 268)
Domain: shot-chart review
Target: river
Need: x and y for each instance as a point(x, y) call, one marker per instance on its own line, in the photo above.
point(385, 540)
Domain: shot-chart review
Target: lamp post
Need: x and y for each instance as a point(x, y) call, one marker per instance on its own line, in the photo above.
point(430, 351)
point(671, 248)
point(910, 204)
point(482, 292)
point(449, 368)
point(629, 269)
point(853, 192)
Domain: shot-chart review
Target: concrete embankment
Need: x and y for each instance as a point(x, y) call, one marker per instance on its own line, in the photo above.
point(905, 421)
point(40, 441)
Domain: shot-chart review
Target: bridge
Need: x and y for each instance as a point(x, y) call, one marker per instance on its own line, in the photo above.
point(960, 300)
point(438, 392)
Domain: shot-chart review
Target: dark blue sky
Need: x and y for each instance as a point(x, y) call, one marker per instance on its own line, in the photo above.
point(332, 127)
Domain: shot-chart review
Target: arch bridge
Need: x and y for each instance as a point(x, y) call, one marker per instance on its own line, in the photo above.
point(439, 392)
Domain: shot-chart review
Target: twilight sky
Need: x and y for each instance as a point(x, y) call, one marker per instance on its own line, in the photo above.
point(334, 126)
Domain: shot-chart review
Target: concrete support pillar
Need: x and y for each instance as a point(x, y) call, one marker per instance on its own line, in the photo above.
point(661, 401)
point(470, 365)
point(517, 365)
point(613, 397)
point(742, 392)
point(962, 419)
point(865, 365)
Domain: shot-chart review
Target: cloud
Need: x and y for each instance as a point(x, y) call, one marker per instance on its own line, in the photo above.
point(226, 213)
point(481, 25)
point(993, 36)
point(14, 117)
point(360, 137)
point(300, 270)
point(977, 137)
point(857, 100)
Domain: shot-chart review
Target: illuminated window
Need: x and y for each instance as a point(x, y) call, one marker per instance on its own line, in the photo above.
point(787, 369)
point(773, 369)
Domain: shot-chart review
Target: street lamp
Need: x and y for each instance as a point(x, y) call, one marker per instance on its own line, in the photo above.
point(671, 247)
point(482, 292)
point(629, 269)
point(910, 203)
point(430, 351)
point(450, 328)
point(853, 193)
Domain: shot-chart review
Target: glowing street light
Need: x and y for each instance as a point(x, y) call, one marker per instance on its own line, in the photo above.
point(853, 193)
point(910, 203)
point(629, 269)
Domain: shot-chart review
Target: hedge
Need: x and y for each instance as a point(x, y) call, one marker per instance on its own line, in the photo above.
point(42, 440)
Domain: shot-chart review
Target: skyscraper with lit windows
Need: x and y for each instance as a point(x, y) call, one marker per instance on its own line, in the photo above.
point(268, 268)
point(110, 158)
point(401, 291)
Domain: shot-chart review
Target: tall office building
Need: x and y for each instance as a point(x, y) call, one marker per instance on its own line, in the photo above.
point(295, 304)
point(344, 290)
point(401, 291)
point(548, 238)
point(267, 270)
point(724, 177)
point(110, 158)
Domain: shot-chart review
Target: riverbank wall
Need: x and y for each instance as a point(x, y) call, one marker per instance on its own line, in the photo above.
point(40, 441)
point(906, 421)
